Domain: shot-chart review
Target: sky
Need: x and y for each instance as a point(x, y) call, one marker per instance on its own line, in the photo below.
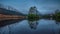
point(43, 6)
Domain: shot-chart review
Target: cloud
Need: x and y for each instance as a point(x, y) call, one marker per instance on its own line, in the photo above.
point(24, 5)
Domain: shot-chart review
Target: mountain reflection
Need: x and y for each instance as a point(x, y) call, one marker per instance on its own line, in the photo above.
point(8, 22)
point(33, 24)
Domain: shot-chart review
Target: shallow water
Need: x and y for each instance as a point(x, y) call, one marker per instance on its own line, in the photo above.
point(42, 26)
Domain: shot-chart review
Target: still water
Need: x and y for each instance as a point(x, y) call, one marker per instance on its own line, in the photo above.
point(42, 26)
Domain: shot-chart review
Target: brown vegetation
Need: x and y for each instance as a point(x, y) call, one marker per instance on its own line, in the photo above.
point(7, 17)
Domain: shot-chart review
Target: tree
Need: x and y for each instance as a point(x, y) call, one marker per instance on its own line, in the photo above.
point(57, 15)
point(33, 14)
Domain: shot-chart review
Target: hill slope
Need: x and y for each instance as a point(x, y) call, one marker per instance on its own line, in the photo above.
point(10, 12)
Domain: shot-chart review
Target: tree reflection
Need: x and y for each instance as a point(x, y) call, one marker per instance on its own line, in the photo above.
point(58, 24)
point(33, 24)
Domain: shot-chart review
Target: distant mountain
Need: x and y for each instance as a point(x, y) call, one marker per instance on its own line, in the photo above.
point(10, 12)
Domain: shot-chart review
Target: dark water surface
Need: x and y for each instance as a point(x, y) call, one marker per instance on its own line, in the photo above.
point(42, 26)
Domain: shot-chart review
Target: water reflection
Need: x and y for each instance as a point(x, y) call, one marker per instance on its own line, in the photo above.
point(8, 22)
point(42, 26)
point(33, 24)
